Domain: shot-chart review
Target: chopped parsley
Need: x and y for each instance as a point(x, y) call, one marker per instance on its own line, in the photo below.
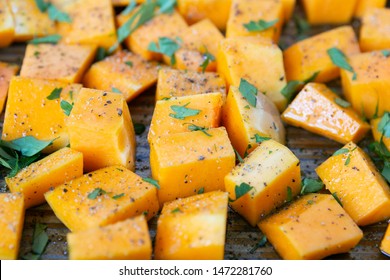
point(342, 103)
point(241, 190)
point(55, 94)
point(260, 25)
point(152, 181)
point(182, 112)
point(166, 46)
point(339, 59)
point(66, 107)
point(311, 186)
point(208, 57)
point(194, 127)
point(51, 39)
point(40, 241)
point(248, 91)
point(95, 193)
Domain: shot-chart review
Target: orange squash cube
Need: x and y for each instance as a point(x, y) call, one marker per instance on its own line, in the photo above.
point(102, 197)
point(163, 123)
point(375, 30)
point(29, 111)
point(363, 6)
point(193, 228)
point(243, 122)
point(37, 179)
point(206, 162)
point(126, 240)
point(7, 28)
point(100, 127)
point(175, 83)
point(385, 244)
point(313, 227)
point(378, 134)
point(329, 12)
point(249, 58)
point(66, 63)
point(362, 190)
point(7, 71)
point(11, 224)
point(121, 3)
point(369, 92)
point(268, 173)
point(125, 71)
point(244, 11)
point(307, 57)
point(319, 110)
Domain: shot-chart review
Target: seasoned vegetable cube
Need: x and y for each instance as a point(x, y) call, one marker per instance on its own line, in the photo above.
point(102, 197)
point(375, 30)
point(307, 57)
point(7, 71)
point(319, 110)
point(184, 168)
point(363, 192)
point(11, 224)
point(385, 244)
point(330, 11)
point(363, 6)
point(100, 127)
point(268, 177)
point(193, 228)
point(125, 71)
point(36, 179)
point(66, 63)
point(35, 108)
point(7, 28)
point(313, 227)
point(126, 240)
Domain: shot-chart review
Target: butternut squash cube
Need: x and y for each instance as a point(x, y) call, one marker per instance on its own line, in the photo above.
point(288, 6)
point(29, 21)
point(193, 228)
point(385, 244)
point(329, 12)
point(319, 110)
point(184, 168)
point(243, 122)
point(196, 10)
point(7, 71)
point(266, 179)
point(66, 63)
point(126, 240)
point(164, 122)
point(163, 25)
point(102, 197)
point(245, 11)
point(313, 227)
point(125, 71)
point(93, 22)
point(175, 83)
point(29, 111)
point(363, 6)
point(375, 30)
point(369, 92)
point(7, 28)
point(362, 190)
point(378, 134)
point(307, 57)
point(249, 58)
point(11, 224)
point(37, 179)
point(100, 127)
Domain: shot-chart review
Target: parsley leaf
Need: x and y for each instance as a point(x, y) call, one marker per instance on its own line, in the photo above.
point(139, 128)
point(152, 181)
point(260, 25)
point(66, 107)
point(386, 171)
point(95, 193)
point(339, 59)
point(260, 244)
point(302, 27)
point(201, 191)
point(341, 102)
point(291, 88)
point(118, 196)
point(207, 58)
point(249, 92)
point(337, 198)
point(51, 39)
point(182, 112)
point(241, 190)
point(129, 63)
point(29, 145)
point(129, 8)
point(289, 195)
point(176, 210)
point(384, 125)
point(341, 152)
point(166, 6)
point(260, 139)
point(57, 15)
point(194, 127)
point(311, 186)
point(115, 90)
point(166, 46)
point(55, 94)
point(101, 53)
point(40, 241)
point(386, 53)
point(42, 5)
point(238, 156)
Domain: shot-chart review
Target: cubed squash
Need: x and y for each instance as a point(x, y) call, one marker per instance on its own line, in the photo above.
point(245, 123)
point(377, 134)
point(363, 6)
point(243, 12)
point(121, 3)
point(329, 12)
point(319, 110)
point(103, 197)
point(66, 63)
point(196, 10)
point(249, 58)
point(265, 180)
point(362, 190)
point(385, 244)
point(11, 224)
point(288, 6)
point(369, 90)
point(307, 57)
point(207, 114)
point(193, 228)
point(100, 127)
point(169, 25)
point(7, 71)
point(34, 109)
point(375, 30)
point(37, 179)
point(7, 28)
point(175, 83)
point(184, 168)
point(313, 227)
point(125, 71)
point(92, 22)
point(29, 21)
point(126, 240)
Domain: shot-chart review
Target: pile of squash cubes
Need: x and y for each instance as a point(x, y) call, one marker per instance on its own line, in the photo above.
point(225, 91)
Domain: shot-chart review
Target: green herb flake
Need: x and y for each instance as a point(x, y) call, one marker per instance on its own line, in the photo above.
point(241, 190)
point(341, 152)
point(289, 195)
point(129, 63)
point(337, 198)
point(311, 186)
point(176, 210)
point(37, 54)
point(301, 25)
point(145, 213)
point(51, 39)
point(29, 146)
point(260, 139)
point(129, 8)
point(152, 181)
point(182, 112)
point(166, 6)
point(166, 46)
point(260, 244)
point(118, 196)
point(95, 193)
point(101, 54)
point(384, 125)
point(239, 158)
point(66, 107)
point(57, 15)
point(55, 94)
point(348, 160)
point(207, 58)
point(386, 171)
point(339, 59)
point(194, 127)
point(139, 128)
point(342, 103)
point(201, 191)
point(386, 53)
point(310, 202)
point(291, 88)
point(42, 5)
point(40, 241)
point(115, 90)
point(249, 92)
point(260, 25)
